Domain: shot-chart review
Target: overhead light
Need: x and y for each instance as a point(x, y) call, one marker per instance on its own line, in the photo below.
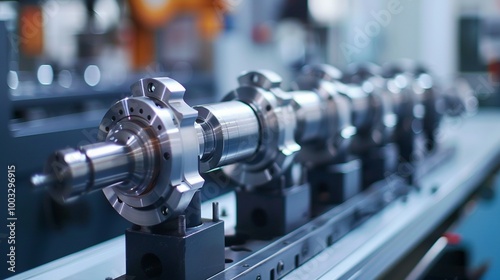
point(92, 75)
point(45, 74)
point(327, 12)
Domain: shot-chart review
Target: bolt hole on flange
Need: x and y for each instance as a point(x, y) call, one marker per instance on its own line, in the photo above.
point(166, 156)
point(151, 87)
point(164, 211)
point(255, 79)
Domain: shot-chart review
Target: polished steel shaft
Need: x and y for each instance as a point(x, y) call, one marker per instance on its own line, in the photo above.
point(228, 131)
point(73, 172)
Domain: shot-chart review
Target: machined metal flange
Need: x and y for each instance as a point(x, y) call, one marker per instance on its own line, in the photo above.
point(158, 126)
point(277, 121)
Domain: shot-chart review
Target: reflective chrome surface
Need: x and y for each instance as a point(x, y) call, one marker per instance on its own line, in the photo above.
point(154, 145)
point(230, 133)
point(74, 172)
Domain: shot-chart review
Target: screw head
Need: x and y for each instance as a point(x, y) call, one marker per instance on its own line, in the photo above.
point(280, 267)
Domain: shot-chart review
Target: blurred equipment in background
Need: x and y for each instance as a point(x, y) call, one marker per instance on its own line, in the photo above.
point(480, 56)
point(348, 171)
point(149, 16)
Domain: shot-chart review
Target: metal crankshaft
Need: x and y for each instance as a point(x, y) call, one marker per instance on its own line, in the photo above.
point(153, 146)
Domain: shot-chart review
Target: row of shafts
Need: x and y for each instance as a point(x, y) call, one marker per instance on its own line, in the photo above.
point(325, 139)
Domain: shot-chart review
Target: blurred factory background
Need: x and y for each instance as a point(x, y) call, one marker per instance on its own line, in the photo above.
point(64, 62)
